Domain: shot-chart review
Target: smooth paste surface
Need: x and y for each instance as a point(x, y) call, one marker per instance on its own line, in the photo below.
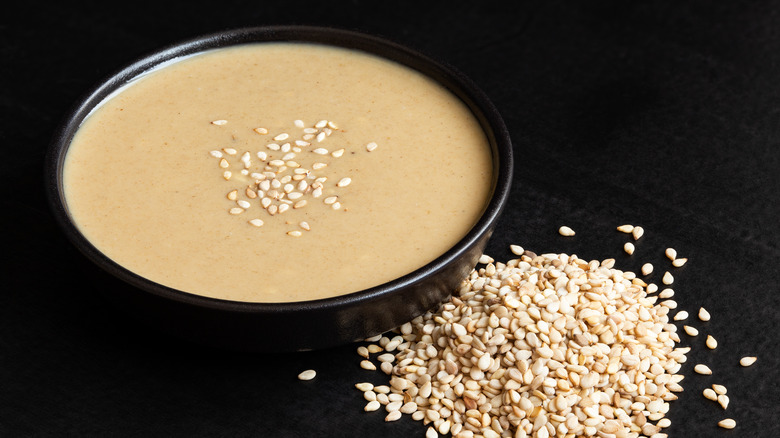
point(142, 187)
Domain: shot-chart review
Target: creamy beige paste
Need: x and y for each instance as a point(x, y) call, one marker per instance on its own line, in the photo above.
point(142, 184)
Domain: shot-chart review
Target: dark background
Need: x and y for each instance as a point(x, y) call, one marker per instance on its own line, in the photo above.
point(660, 114)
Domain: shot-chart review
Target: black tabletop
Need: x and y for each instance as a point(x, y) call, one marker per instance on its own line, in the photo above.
point(659, 114)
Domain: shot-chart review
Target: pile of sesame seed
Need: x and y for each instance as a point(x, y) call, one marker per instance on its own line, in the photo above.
point(280, 180)
point(546, 345)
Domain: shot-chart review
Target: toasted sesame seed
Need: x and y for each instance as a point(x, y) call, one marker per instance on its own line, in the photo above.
point(681, 315)
point(283, 208)
point(219, 122)
point(671, 253)
point(747, 361)
point(321, 136)
point(704, 315)
point(317, 192)
point(232, 195)
point(308, 136)
point(711, 342)
point(256, 222)
point(373, 348)
point(230, 151)
point(273, 146)
point(320, 151)
point(272, 209)
point(365, 364)
point(251, 194)
point(343, 182)
point(628, 247)
point(236, 210)
point(727, 423)
point(371, 146)
point(710, 394)
point(307, 375)
point(285, 148)
point(565, 231)
point(281, 137)
point(300, 204)
point(243, 204)
point(667, 278)
point(625, 228)
point(485, 259)
point(647, 268)
point(679, 262)
point(216, 154)
point(244, 172)
point(223, 163)
point(637, 232)
point(690, 330)
point(702, 369)
point(261, 131)
point(276, 163)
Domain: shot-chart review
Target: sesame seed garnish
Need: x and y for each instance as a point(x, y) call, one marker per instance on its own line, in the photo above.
point(243, 204)
point(276, 163)
point(647, 269)
point(308, 137)
point(256, 222)
point(294, 195)
point(302, 143)
point(628, 247)
point(679, 262)
point(219, 122)
point(727, 423)
point(251, 194)
point(294, 233)
point(223, 163)
point(320, 151)
point(305, 225)
point(344, 182)
point(747, 361)
point(321, 124)
point(272, 209)
point(690, 330)
point(652, 288)
point(365, 364)
point(371, 146)
point(711, 342)
point(230, 151)
point(321, 136)
point(236, 210)
point(668, 278)
point(565, 231)
point(216, 154)
point(317, 192)
point(262, 155)
point(307, 375)
point(338, 153)
point(330, 200)
point(232, 195)
point(318, 166)
point(299, 124)
point(273, 146)
point(704, 315)
point(300, 204)
point(282, 136)
point(227, 174)
point(266, 202)
point(702, 369)
point(710, 394)
point(625, 228)
point(261, 131)
point(336, 205)
point(637, 232)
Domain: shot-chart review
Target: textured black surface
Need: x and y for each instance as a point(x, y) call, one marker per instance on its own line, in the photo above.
point(660, 114)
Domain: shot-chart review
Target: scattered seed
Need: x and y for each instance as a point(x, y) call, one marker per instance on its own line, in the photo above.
point(219, 122)
point(565, 231)
point(711, 342)
point(431, 433)
point(344, 182)
point(516, 249)
point(223, 163)
point(690, 330)
point(338, 153)
point(371, 146)
point(243, 204)
point(667, 278)
point(236, 210)
point(321, 136)
point(365, 364)
point(702, 369)
point(307, 375)
point(637, 232)
point(710, 394)
point(728, 423)
point(273, 146)
point(300, 204)
point(628, 247)
point(230, 151)
point(625, 228)
point(227, 174)
point(305, 225)
point(281, 137)
point(671, 254)
point(336, 205)
point(679, 262)
point(320, 151)
point(647, 268)
point(256, 222)
point(723, 400)
point(681, 315)
point(330, 200)
point(372, 406)
point(747, 361)
point(393, 416)
point(233, 195)
point(295, 233)
point(216, 154)
point(719, 389)
point(261, 131)
point(666, 293)
point(321, 124)
point(704, 315)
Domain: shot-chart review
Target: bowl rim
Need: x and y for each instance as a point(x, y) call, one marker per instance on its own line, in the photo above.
point(456, 82)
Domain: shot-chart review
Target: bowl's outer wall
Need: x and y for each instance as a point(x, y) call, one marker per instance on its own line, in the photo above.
point(305, 325)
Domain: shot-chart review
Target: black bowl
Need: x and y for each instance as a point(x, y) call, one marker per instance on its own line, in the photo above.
point(307, 324)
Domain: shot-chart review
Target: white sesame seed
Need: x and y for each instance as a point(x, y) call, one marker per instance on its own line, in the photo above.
point(671, 253)
point(321, 136)
point(372, 406)
point(320, 151)
point(365, 364)
point(243, 204)
point(273, 146)
point(223, 163)
point(299, 123)
point(338, 153)
point(668, 278)
point(308, 136)
point(272, 209)
point(276, 163)
point(256, 222)
point(281, 137)
point(285, 148)
point(690, 330)
point(332, 125)
point(330, 200)
point(679, 262)
point(262, 156)
point(710, 394)
point(747, 361)
point(723, 400)
point(318, 166)
point(302, 143)
point(300, 204)
point(336, 205)
point(628, 247)
point(219, 122)
point(317, 192)
point(230, 151)
point(652, 288)
point(305, 225)
point(719, 389)
point(283, 207)
point(704, 315)
point(236, 210)
point(565, 231)
point(244, 172)
point(307, 375)
point(647, 268)
point(216, 154)
point(232, 195)
point(727, 423)
point(294, 195)
point(309, 130)
point(265, 202)
point(625, 228)
point(516, 249)
point(261, 131)
point(637, 232)
point(702, 369)
point(371, 146)
point(681, 315)
point(711, 342)
point(343, 182)
point(227, 174)
point(393, 416)
point(294, 233)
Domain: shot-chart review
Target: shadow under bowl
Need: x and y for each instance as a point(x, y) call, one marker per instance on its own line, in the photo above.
point(304, 325)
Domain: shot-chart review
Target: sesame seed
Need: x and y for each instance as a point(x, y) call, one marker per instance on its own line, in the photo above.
point(393, 416)
point(647, 268)
point(637, 232)
point(365, 364)
point(625, 228)
point(236, 210)
point(681, 315)
point(227, 174)
point(261, 131)
point(727, 423)
point(320, 151)
point(344, 182)
point(679, 262)
point(294, 195)
point(283, 208)
point(305, 225)
point(216, 154)
point(243, 204)
point(628, 247)
point(704, 315)
point(711, 342)
point(321, 124)
point(219, 122)
point(371, 146)
point(310, 131)
point(671, 253)
point(719, 389)
point(273, 146)
point(233, 195)
point(318, 166)
point(668, 278)
point(256, 222)
point(308, 136)
point(262, 156)
point(690, 330)
point(302, 143)
point(294, 233)
point(272, 209)
point(710, 394)
point(281, 137)
point(276, 163)
point(747, 361)
point(321, 136)
point(299, 123)
point(251, 194)
point(723, 400)
point(230, 151)
point(565, 231)
point(702, 369)
point(307, 375)
point(300, 204)
point(330, 200)
point(372, 406)
point(223, 163)
point(336, 205)
point(265, 202)
point(652, 288)
point(338, 153)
